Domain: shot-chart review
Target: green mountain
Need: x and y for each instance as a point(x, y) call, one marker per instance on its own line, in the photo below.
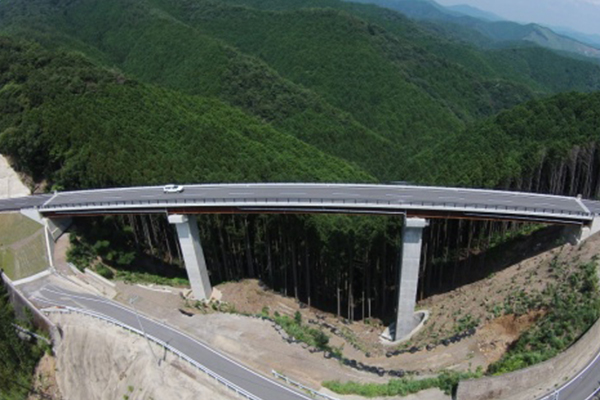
point(491, 66)
point(548, 145)
point(355, 81)
point(67, 121)
point(353, 104)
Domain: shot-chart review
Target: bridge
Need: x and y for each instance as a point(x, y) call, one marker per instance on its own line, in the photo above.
point(416, 204)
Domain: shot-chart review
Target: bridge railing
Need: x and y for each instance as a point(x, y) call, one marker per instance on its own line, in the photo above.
point(232, 386)
point(292, 382)
point(316, 202)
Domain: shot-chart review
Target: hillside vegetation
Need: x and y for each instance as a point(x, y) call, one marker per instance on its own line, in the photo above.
point(355, 81)
point(546, 145)
point(18, 357)
point(77, 125)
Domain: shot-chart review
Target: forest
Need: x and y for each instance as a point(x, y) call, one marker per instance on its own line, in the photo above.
point(119, 93)
point(18, 358)
point(100, 94)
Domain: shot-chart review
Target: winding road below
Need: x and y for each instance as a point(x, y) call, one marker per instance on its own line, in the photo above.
point(248, 380)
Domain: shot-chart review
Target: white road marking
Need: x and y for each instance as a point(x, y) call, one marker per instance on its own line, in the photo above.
point(347, 194)
point(454, 198)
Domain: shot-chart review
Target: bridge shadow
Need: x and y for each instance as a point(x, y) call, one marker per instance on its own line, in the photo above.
point(477, 266)
point(154, 267)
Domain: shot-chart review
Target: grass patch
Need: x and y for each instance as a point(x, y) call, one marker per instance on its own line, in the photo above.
point(15, 227)
point(145, 277)
point(104, 271)
point(22, 246)
point(299, 331)
point(31, 258)
point(296, 329)
point(7, 262)
point(447, 381)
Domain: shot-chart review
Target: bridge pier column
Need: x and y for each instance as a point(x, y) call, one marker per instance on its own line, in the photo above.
point(193, 256)
point(408, 276)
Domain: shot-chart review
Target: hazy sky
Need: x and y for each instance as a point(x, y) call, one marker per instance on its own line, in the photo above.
point(580, 15)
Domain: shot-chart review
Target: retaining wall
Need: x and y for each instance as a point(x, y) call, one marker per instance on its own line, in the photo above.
point(21, 304)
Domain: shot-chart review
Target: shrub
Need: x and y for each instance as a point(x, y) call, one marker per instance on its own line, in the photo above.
point(104, 271)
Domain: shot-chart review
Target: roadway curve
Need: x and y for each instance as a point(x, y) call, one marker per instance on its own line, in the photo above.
point(258, 385)
point(418, 201)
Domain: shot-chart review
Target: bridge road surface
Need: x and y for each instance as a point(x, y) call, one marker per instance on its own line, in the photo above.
point(235, 373)
point(18, 203)
point(304, 196)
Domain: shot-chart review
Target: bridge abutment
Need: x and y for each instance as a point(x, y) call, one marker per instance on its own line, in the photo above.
point(408, 276)
point(193, 256)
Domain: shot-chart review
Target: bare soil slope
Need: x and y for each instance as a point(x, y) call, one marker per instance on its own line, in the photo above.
point(488, 305)
point(103, 362)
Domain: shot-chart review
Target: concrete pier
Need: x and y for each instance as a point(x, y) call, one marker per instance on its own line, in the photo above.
point(193, 256)
point(408, 276)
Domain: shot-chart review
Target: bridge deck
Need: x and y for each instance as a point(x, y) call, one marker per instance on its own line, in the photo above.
point(429, 202)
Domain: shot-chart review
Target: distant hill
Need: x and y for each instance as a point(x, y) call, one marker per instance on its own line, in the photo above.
point(496, 31)
point(474, 12)
point(592, 40)
point(326, 77)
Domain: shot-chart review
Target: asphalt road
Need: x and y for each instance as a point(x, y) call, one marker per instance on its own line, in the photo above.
point(585, 385)
point(234, 372)
point(281, 196)
point(19, 203)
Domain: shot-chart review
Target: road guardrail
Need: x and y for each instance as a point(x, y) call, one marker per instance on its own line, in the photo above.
point(292, 382)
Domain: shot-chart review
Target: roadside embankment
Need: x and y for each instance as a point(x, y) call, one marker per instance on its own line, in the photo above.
point(98, 361)
point(10, 184)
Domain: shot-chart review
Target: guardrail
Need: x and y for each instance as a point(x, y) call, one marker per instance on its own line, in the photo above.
point(316, 202)
point(232, 386)
point(292, 382)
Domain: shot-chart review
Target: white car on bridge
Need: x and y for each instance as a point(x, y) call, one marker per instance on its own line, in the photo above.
point(173, 189)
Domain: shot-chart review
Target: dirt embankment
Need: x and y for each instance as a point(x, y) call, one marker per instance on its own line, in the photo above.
point(103, 362)
point(10, 183)
point(489, 305)
point(45, 386)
